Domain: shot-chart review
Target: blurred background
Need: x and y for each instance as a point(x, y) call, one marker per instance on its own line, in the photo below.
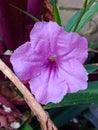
point(68, 8)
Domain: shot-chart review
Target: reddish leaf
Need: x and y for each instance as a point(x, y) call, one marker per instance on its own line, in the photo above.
point(12, 23)
point(34, 7)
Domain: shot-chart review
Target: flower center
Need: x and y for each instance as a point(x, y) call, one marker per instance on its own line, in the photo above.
point(52, 57)
point(51, 63)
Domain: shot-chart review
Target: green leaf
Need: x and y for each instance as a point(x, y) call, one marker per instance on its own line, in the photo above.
point(92, 45)
point(26, 126)
point(67, 114)
point(56, 14)
point(87, 16)
point(81, 15)
point(88, 96)
point(92, 116)
point(26, 13)
point(72, 22)
point(91, 3)
point(91, 68)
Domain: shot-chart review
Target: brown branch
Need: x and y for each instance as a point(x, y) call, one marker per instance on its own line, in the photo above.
point(36, 108)
point(92, 50)
point(47, 12)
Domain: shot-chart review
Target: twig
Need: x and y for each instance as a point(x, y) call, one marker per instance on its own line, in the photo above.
point(92, 50)
point(36, 108)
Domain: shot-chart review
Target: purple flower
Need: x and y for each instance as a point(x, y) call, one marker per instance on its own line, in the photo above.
point(52, 62)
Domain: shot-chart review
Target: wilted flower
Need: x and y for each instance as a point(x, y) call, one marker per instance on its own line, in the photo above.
point(52, 62)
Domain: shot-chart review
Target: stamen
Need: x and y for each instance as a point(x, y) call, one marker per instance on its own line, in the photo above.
point(52, 57)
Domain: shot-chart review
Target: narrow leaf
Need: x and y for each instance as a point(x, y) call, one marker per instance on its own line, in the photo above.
point(92, 45)
point(26, 13)
point(72, 22)
point(87, 16)
point(93, 119)
point(81, 15)
point(56, 14)
point(91, 68)
point(67, 114)
point(91, 3)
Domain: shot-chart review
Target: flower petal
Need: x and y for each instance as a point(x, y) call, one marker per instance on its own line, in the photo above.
point(52, 62)
point(66, 44)
point(48, 87)
point(48, 31)
point(54, 30)
point(75, 75)
point(26, 63)
point(72, 45)
point(39, 32)
point(52, 87)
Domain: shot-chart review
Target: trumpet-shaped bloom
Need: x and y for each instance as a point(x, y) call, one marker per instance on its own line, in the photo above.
point(52, 62)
